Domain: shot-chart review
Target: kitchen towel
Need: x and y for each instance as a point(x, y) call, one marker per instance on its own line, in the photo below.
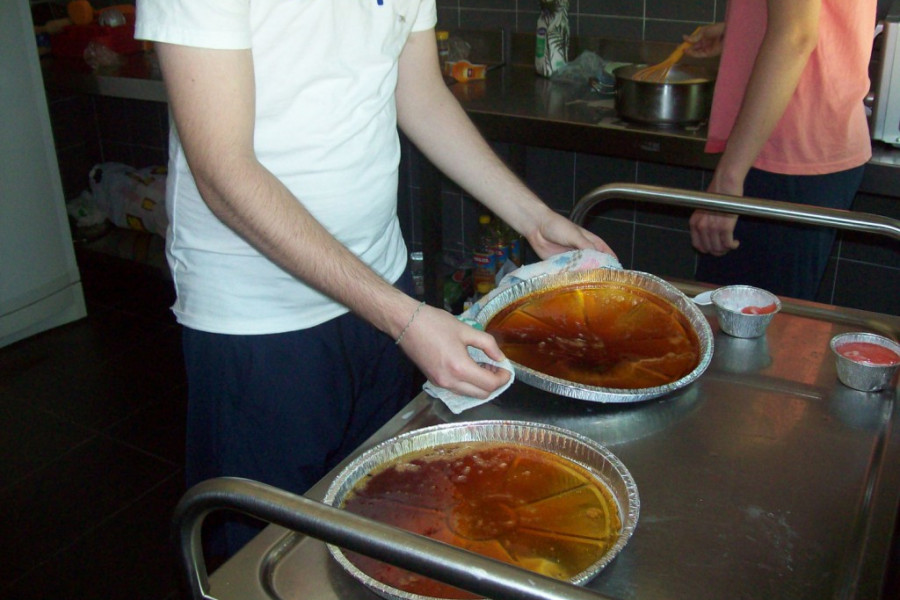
point(457, 403)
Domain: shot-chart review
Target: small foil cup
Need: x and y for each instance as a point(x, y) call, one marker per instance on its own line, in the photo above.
point(732, 300)
point(862, 376)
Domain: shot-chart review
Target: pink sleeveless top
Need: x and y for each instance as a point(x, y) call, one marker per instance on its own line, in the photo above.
point(824, 128)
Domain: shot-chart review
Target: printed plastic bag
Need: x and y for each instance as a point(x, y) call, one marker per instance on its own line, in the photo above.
point(552, 40)
point(131, 198)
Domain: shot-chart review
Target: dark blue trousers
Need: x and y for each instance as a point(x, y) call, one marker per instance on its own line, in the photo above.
point(786, 259)
point(285, 408)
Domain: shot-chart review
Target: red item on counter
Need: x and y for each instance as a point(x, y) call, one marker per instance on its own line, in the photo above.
point(759, 310)
point(463, 70)
point(868, 353)
point(72, 40)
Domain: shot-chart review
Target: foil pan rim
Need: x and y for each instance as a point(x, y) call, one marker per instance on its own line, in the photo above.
point(639, 279)
point(572, 446)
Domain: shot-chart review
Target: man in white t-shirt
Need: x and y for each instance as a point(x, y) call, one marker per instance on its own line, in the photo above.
point(284, 242)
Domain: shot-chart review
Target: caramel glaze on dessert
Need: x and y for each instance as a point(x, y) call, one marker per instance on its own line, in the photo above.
point(517, 504)
point(609, 335)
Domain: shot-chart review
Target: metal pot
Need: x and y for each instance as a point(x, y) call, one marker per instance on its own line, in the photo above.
point(685, 97)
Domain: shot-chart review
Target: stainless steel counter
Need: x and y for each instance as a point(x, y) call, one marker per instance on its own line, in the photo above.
point(766, 478)
point(512, 105)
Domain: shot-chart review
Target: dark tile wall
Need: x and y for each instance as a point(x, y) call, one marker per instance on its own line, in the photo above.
point(91, 129)
point(655, 20)
point(863, 273)
point(652, 20)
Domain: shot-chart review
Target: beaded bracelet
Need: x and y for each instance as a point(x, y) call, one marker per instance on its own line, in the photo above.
point(411, 319)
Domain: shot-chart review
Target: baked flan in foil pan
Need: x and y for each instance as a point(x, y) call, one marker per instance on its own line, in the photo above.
point(691, 315)
point(486, 503)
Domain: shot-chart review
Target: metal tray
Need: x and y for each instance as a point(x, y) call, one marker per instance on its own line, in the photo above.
point(644, 281)
point(766, 478)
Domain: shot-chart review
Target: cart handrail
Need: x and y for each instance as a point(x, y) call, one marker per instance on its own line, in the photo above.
point(461, 568)
point(741, 205)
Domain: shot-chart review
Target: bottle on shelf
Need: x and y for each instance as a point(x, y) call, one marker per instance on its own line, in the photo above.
point(511, 241)
point(417, 267)
point(443, 46)
point(484, 255)
point(500, 245)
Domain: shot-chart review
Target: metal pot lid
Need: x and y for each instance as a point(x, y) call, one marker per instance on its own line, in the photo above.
point(645, 281)
point(678, 75)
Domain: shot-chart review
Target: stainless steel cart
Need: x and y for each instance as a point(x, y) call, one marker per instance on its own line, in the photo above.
point(765, 478)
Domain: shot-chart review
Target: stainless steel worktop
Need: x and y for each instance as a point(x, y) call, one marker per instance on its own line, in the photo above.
point(516, 106)
point(766, 478)
point(511, 105)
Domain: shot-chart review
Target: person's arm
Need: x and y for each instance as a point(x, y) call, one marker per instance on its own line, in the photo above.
point(435, 122)
point(212, 96)
point(707, 42)
point(791, 36)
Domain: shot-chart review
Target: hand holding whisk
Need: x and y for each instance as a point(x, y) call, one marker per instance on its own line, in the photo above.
point(658, 73)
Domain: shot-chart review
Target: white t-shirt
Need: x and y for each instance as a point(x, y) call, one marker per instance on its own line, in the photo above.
point(326, 71)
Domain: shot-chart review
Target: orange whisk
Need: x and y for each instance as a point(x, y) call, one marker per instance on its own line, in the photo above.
point(658, 73)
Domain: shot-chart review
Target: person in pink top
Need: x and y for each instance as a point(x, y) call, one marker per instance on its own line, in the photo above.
point(789, 122)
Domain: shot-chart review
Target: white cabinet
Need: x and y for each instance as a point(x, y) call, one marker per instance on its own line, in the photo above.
point(40, 286)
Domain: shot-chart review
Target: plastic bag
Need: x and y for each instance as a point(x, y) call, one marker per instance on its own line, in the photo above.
point(99, 56)
point(131, 198)
point(587, 66)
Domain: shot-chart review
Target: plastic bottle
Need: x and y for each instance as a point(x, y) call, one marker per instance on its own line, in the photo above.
point(499, 239)
point(515, 248)
point(512, 241)
point(463, 70)
point(417, 267)
point(552, 39)
point(443, 46)
point(484, 258)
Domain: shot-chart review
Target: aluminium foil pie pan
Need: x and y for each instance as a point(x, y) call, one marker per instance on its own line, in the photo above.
point(596, 459)
point(858, 374)
point(645, 281)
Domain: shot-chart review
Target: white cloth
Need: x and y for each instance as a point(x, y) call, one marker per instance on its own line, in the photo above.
point(575, 260)
point(325, 126)
point(458, 403)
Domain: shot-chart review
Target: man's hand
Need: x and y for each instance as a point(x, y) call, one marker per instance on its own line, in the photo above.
point(438, 343)
point(713, 232)
point(556, 234)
